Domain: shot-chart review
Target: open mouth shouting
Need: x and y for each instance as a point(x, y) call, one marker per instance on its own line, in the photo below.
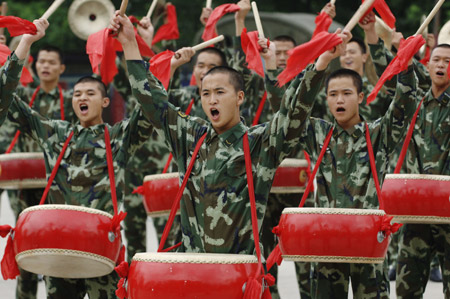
point(340, 109)
point(84, 108)
point(214, 114)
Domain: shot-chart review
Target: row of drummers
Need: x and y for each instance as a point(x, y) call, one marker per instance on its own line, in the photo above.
point(327, 235)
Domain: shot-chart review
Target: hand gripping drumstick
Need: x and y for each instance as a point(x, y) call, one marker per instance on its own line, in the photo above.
point(430, 17)
point(333, 1)
point(152, 8)
point(363, 8)
point(208, 3)
point(204, 44)
point(52, 9)
point(4, 10)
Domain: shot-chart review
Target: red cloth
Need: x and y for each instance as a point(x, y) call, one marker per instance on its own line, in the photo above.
point(160, 67)
point(426, 57)
point(218, 12)
point(9, 267)
point(302, 55)
point(26, 77)
point(408, 48)
point(144, 49)
point(323, 22)
point(193, 82)
point(170, 29)
point(251, 48)
point(17, 26)
point(384, 11)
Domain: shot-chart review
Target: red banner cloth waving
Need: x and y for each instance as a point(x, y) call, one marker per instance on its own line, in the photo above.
point(160, 67)
point(170, 29)
point(384, 11)
point(323, 22)
point(406, 51)
point(218, 12)
point(17, 26)
point(251, 48)
point(302, 55)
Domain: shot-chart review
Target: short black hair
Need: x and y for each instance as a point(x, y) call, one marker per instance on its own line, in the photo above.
point(50, 48)
point(285, 38)
point(445, 46)
point(214, 51)
point(360, 43)
point(101, 85)
point(234, 76)
point(345, 73)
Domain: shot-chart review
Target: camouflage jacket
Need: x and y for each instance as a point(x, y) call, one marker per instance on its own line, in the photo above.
point(344, 178)
point(182, 97)
point(82, 178)
point(215, 207)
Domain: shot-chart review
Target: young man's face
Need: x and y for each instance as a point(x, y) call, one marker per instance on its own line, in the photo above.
point(221, 101)
point(353, 58)
point(49, 66)
point(281, 53)
point(343, 100)
point(437, 67)
point(88, 103)
point(205, 62)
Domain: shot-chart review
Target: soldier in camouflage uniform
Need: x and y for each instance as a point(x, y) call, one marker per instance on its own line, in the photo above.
point(427, 153)
point(344, 178)
point(215, 213)
point(82, 178)
point(49, 67)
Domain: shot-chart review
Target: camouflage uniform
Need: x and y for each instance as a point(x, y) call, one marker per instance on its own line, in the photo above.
point(82, 178)
point(215, 209)
point(344, 181)
point(427, 154)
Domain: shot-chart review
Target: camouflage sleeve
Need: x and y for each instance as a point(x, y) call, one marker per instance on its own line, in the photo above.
point(274, 92)
point(121, 82)
point(422, 74)
point(289, 122)
point(397, 118)
point(10, 75)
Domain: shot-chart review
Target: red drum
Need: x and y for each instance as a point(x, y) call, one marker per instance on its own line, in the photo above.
point(160, 191)
point(189, 275)
point(22, 171)
point(417, 198)
point(290, 177)
point(66, 241)
point(332, 235)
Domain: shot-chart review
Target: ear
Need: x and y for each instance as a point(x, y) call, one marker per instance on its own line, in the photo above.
point(105, 102)
point(364, 57)
point(360, 97)
point(62, 68)
point(241, 97)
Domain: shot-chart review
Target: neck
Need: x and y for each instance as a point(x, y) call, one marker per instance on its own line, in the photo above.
point(437, 91)
point(347, 125)
point(48, 86)
point(87, 124)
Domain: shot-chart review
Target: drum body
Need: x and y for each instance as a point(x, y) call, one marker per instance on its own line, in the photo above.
point(189, 275)
point(160, 191)
point(332, 235)
point(290, 177)
point(22, 171)
point(417, 198)
point(66, 241)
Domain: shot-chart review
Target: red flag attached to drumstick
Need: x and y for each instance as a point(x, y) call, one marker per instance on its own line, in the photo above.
point(169, 30)
point(323, 22)
point(426, 57)
point(302, 55)
point(406, 51)
point(160, 67)
point(17, 26)
point(384, 11)
point(251, 49)
point(218, 12)
point(448, 70)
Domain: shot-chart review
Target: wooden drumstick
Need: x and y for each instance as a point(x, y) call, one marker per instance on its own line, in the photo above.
point(123, 7)
point(257, 20)
point(204, 44)
point(333, 2)
point(4, 11)
point(430, 17)
point(152, 8)
point(52, 9)
point(208, 3)
point(383, 24)
point(363, 8)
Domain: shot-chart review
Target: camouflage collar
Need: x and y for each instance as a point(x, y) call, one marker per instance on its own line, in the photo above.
point(54, 93)
point(233, 135)
point(443, 99)
point(96, 130)
point(355, 132)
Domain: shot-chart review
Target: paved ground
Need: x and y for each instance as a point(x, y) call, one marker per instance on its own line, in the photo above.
point(287, 284)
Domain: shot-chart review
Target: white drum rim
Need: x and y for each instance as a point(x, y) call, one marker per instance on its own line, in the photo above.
point(66, 253)
point(334, 211)
point(194, 258)
point(420, 219)
point(416, 176)
point(161, 176)
point(67, 208)
point(292, 162)
point(23, 184)
point(160, 213)
point(22, 156)
point(333, 259)
point(287, 189)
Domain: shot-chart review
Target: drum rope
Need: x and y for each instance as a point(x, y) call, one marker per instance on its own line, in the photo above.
point(408, 137)
point(260, 109)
